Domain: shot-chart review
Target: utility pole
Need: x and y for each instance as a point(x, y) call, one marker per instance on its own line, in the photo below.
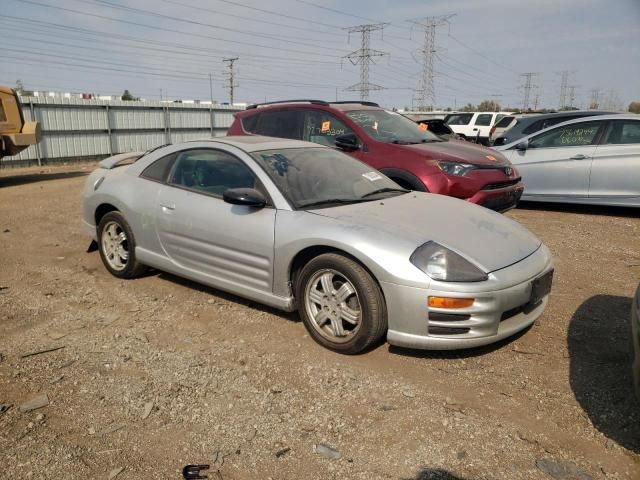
point(595, 99)
point(210, 89)
point(425, 92)
point(231, 77)
point(527, 87)
point(363, 57)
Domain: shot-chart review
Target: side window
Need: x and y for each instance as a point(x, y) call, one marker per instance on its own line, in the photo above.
point(281, 123)
point(159, 170)
point(484, 119)
point(570, 136)
point(250, 123)
point(550, 122)
point(211, 171)
point(3, 117)
point(458, 118)
point(624, 133)
point(322, 127)
point(534, 127)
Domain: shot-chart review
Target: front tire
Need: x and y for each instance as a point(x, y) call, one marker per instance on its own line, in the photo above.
point(117, 246)
point(340, 304)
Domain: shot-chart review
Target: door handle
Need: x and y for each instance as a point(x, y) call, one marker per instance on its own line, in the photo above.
point(579, 156)
point(167, 207)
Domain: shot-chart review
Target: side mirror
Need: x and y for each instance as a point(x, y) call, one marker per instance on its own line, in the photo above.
point(249, 197)
point(522, 146)
point(347, 142)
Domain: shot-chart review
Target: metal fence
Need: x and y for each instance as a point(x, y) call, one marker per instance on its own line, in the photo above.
point(81, 129)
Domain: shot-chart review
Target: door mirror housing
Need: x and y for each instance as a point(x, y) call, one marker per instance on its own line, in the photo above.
point(249, 197)
point(523, 145)
point(347, 142)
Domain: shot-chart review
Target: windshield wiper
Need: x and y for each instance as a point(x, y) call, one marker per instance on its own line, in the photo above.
point(384, 190)
point(328, 201)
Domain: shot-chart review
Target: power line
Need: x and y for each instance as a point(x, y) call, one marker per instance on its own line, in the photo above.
point(154, 27)
point(426, 91)
point(363, 57)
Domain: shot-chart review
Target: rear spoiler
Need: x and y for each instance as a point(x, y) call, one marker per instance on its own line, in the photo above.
point(121, 159)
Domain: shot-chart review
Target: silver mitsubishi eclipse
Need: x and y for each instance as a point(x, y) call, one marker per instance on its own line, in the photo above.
point(295, 225)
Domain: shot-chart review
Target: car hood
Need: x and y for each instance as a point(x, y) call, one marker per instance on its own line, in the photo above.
point(461, 151)
point(486, 238)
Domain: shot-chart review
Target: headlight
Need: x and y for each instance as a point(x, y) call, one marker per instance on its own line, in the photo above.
point(455, 168)
point(442, 264)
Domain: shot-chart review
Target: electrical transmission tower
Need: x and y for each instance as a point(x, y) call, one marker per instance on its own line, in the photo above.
point(572, 95)
point(595, 99)
point(231, 83)
point(425, 93)
point(564, 89)
point(527, 86)
point(364, 57)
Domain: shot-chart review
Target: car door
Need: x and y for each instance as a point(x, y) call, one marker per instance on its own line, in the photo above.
point(284, 123)
point(615, 170)
point(557, 162)
point(482, 125)
point(201, 232)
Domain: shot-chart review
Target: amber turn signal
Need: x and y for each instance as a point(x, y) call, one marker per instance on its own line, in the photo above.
point(448, 302)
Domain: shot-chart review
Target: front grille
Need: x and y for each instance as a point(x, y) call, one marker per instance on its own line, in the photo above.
point(448, 331)
point(498, 185)
point(448, 317)
point(504, 201)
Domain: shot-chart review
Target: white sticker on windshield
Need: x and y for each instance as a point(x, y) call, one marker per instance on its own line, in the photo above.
point(372, 176)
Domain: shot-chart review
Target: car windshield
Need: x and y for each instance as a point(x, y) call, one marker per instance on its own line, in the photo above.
point(391, 127)
point(323, 177)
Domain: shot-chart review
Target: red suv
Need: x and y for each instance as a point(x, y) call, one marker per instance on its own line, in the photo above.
point(404, 151)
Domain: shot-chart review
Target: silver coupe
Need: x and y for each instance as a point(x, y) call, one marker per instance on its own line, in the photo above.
point(295, 225)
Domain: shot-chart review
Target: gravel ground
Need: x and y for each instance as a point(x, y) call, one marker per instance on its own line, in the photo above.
point(152, 374)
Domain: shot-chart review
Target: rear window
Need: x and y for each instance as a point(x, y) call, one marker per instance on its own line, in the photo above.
point(505, 122)
point(459, 119)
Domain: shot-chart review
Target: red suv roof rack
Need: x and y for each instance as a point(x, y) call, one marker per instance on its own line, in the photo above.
point(303, 100)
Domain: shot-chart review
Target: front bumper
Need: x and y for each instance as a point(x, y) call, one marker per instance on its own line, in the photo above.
point(500, 199)
point(496, 313)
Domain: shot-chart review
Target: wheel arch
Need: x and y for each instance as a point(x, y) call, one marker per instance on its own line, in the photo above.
point(308, 253)
point(405, 179)
point(102, 210)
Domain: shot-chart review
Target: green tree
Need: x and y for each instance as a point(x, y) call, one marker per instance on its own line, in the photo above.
point(469, 107)
point(634, 107)
point(489, 106)
point(126, 96)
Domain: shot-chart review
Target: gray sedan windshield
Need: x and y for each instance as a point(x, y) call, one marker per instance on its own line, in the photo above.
point(391, 127)
point(322, 177)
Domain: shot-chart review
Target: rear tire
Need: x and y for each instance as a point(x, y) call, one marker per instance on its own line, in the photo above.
point(341, 305)
point(117, 246)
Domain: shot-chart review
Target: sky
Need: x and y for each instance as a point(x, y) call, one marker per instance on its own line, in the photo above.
point(298, 49)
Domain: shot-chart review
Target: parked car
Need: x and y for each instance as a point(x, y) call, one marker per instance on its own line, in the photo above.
point(594, 160)
point(522, 125)
point(296, 225)
point(474, 126)
point(635, 337)
point(439, 128)
point(501, 126)
point(412, 156)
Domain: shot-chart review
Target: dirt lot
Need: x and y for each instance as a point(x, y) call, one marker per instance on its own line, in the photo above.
point(159, 372)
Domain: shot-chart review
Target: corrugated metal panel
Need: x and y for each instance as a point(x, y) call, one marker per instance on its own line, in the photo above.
point(136, 141)
point(76, 128)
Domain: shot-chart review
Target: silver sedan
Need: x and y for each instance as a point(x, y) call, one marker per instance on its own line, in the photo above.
point(295, 225)
point(593, 160)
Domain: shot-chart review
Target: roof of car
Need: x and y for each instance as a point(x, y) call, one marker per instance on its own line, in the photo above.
point(256, 143)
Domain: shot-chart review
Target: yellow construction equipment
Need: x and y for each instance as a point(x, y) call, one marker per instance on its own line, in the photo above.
point(15, 133)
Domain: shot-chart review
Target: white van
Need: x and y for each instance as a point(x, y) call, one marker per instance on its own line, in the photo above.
point(474, 126)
